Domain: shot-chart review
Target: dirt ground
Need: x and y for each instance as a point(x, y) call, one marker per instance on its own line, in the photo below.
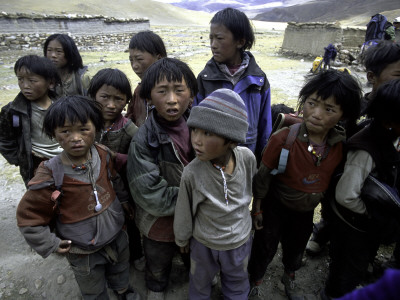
point(25, 275)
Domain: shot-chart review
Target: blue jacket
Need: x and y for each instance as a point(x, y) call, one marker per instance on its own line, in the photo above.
point(254, 88)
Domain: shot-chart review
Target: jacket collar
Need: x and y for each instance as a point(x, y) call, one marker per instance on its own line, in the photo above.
point(335, 135)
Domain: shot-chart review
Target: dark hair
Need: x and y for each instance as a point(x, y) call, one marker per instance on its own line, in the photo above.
point(237, 23)
point(74, 59)
point(74, 108)
point(41, 66)
point(112, 77)
point(173, 70)
point(340, 84)
point(377, 58)
point(148, 41)
point(385, 105)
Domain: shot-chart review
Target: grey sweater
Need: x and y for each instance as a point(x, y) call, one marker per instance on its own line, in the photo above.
point(201, 211)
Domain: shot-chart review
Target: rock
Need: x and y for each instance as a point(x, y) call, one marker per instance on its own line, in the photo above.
point(23, 291)
point(38, 283)
point(61, 279)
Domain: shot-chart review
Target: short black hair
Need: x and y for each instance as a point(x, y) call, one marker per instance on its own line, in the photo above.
point(41, 66)
point(340, 84)
point(377, 58)
point(173, 70)
point(71, 52)
point(385, 105)
point(276, 109)
point(148, 41)
point(74, 108)
point(112, 77)
point(238, 23)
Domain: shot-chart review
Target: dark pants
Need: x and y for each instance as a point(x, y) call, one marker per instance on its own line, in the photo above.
point(106, 267)
point(351, 251)
point(159, 257)
point(135, 240)
point(291, 228)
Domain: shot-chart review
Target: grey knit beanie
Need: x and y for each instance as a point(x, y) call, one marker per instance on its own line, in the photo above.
point(224, 113)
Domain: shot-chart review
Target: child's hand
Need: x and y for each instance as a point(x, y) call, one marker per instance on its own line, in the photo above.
point(129, 210)
point(64, 246)
point(257, 221)
point(184, 249)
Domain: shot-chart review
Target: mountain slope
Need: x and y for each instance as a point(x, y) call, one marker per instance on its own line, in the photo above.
point(354, 12)
point(158, 13)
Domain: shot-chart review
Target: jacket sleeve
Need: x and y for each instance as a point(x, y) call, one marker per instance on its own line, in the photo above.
point(265, 121)
point(183, 219)
point(148, 188)
point(41, 239)
point(8, 137)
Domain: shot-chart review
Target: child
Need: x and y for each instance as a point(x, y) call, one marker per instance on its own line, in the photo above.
point(62, 51)
point(157, 155)
point(283, 205)
point(74, 193)
point(22, 142)
point(234, 68)
point(368, 215)
point(112, 89)
point(145, 48)
point(214, 197)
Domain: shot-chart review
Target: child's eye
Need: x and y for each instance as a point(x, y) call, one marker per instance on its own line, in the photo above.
point(207, 133)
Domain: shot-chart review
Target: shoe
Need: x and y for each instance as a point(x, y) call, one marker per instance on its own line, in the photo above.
point(140, 264)
point(313, 248)
point(292, 291)
point(255, 288)
point(151, 295)
point(129, 294)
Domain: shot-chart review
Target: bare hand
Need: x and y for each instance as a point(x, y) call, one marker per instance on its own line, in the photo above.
point(64, 246)
point(257, 221)
point(129, 210)
point(185, 249)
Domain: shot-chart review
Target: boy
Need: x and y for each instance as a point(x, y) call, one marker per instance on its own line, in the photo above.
point(212, 210)
point(284, 200)
point(145, 48)
point(156, 157)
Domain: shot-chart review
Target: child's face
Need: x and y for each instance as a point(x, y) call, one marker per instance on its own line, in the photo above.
point(391, 72)
point(76, 139)
point(112, 100)
point(141, 60)
point(209, 146)
point(224, 47)
point(55, 53)
point(320, 116)
point(34, 87)
point(171, 99)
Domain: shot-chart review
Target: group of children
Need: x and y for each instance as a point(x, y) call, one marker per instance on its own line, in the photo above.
point(178, 172)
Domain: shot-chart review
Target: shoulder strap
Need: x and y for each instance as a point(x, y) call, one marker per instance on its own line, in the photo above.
point(57, 169)
point(283, 158)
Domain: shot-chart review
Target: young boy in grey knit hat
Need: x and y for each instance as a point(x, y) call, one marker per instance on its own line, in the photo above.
point(212, 211)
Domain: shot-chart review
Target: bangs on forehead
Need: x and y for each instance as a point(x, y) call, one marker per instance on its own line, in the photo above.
point(170, 77)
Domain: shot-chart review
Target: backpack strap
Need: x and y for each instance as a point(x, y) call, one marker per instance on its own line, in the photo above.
point(283, 158)
point(57, 169)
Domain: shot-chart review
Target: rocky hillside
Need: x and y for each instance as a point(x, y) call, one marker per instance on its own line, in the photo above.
point(354, 12)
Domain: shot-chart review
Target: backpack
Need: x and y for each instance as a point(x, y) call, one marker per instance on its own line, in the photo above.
point(376, 28)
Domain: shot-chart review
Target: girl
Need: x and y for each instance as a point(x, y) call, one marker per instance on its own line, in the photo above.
point(145, 48)
point(73, 191)
point(367, 198)
point(234, 68)
point(112, 89)
point(62, 51)
point(22, 142)
point(285, 197)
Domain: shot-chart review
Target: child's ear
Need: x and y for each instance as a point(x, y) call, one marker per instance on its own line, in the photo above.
point(371, 77)
point(240, 43)
point(149, 102)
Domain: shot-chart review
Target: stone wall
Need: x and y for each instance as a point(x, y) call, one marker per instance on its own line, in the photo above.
point(309, 39)
point(23, 31)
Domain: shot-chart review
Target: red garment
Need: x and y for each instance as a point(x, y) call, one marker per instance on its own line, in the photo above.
point(301, 172)
point(77, 203)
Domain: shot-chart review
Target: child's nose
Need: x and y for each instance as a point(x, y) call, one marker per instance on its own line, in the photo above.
point(171, 98)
